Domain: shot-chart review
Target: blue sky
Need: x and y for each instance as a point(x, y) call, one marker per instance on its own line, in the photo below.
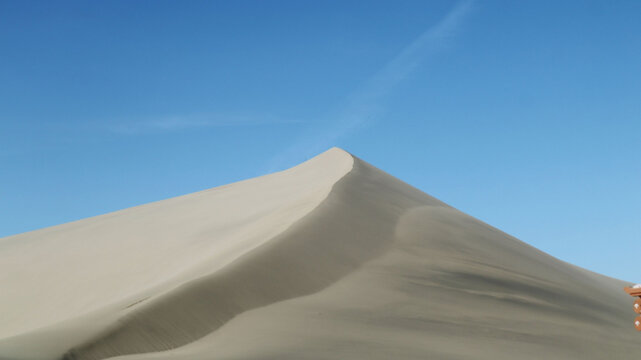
point(526, 115)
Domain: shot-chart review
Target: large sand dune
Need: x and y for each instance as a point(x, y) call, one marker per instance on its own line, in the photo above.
point(332, 259)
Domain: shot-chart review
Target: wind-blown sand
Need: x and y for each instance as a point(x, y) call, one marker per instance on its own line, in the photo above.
point(332, 259)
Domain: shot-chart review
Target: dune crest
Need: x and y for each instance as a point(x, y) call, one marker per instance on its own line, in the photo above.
point(332, 259)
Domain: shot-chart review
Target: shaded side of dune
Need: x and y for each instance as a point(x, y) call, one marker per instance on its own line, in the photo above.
point(347, 229)
point(450, 287)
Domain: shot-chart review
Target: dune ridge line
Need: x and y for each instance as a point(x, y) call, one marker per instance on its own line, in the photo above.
point(376, 270)
point(243, 214)
point(328, 243)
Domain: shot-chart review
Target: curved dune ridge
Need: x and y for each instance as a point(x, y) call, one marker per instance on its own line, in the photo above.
point(332, 259)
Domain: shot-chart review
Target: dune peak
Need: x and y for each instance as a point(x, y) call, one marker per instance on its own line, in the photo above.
point(330, 259)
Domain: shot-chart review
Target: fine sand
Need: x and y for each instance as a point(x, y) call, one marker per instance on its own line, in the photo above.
point(332, 259)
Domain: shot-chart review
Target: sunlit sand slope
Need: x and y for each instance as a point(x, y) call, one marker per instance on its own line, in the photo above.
point(368, 268)
point(68, 283)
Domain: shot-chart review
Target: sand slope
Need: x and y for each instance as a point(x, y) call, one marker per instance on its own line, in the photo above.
point(333, 259)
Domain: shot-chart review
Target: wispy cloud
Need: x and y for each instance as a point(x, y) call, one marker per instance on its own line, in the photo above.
point(159, 124)
point(365, 104)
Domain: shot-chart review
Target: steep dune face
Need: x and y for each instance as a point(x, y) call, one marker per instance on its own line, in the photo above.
point(373, 269)
point(340, 235)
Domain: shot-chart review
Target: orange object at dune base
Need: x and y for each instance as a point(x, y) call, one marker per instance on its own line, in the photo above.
point(637, 305)
point(637, 323)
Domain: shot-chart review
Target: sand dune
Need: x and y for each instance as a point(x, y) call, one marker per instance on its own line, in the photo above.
point(332, 259)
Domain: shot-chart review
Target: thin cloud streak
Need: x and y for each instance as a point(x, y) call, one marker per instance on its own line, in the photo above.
point(365, 104)
point(165, 124)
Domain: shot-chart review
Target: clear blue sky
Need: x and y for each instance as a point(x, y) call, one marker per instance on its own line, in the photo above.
point(525, 114)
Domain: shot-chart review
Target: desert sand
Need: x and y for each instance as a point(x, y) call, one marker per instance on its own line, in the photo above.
point(331, 259)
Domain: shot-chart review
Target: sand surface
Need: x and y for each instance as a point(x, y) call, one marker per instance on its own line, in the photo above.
point(332, 259)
